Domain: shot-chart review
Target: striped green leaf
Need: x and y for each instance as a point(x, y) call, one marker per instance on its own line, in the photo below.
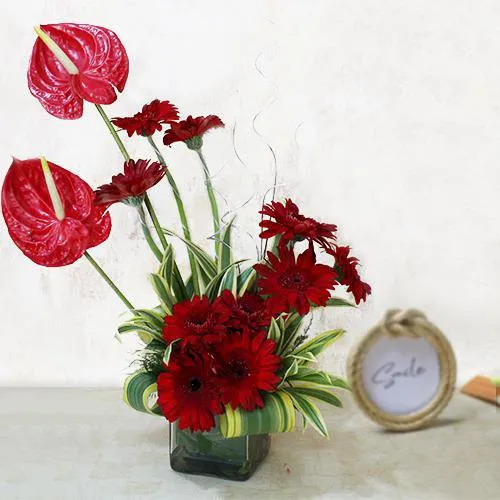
point(291, 331)
point(225, 256)
point(214, 286)
point(208, 268)
point(168, 352)
point(319, 393)
point(290, 371)
point(246, 280)
point(154, 318)
point(308, 357)
point(162, 289)
point(309, 412)
point(140, 392)
point(277, 415)
point(170, 273)
point(229, 281)
point(315, 377)
point(145, 333)
point(339, 302)
point(275, 332)
point(319, 343)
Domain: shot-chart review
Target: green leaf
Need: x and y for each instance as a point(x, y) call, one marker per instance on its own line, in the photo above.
point(496, 381)
point(316, 393)
point(229, 281)
point(140, 392)
point(339, 302)
point(291, 332)
point(145, 333)
point(214, 286)
point(319, 343)
point(208, 269)
point(308, 357)
point(154, 318)
point(246, 280)
point(162, 289)
point(168, 352)
point(274, 332)
point(224, 258)
point(170, 273)
point(277, 415)
point(310, 412)
point(290, 371)
point(316, 377)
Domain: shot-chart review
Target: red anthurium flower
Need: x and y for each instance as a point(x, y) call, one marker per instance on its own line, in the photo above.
point(72, 63)
point(188, 391)
point(191, 130)
point(246, 365)
point(197, 322)
point(248, 313)
point(346, 266)
point(138, 176)
point(50, 213)
point(149, 120)
point(290, 224)
point(294, 284)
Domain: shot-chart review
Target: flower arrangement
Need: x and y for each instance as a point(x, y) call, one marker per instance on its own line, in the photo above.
point(224, 348)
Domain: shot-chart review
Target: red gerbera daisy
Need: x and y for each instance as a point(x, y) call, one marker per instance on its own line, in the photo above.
point(188, 391)
point(191, 130)
point(72, 63)
point(346, 266)
point(247, 313)
point(195, 321)
point(50, 213)
point(138, 176)
point(290, 224)
point(150, 119)
point(246, 365)
point(294, 284)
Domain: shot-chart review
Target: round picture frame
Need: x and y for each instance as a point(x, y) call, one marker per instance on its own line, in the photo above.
point(424, 390)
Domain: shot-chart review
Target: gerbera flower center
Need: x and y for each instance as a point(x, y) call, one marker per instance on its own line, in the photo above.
point(295, 280)
point(194, 384)
point(239, 369)
point(196, 322)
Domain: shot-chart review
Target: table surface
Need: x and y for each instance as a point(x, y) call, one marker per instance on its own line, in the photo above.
point(87, 444)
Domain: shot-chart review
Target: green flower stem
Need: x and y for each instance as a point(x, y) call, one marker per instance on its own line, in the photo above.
point(113, 132)
point(109, 281)
point(154, 219)
point(126, 156)
point(147, 233)
point(212, 199)
point(175, 190)
point(182, 213)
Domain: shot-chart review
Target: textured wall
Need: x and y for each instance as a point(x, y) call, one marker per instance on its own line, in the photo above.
point(385, 119)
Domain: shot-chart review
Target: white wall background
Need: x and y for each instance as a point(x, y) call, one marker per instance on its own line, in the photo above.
point(385, 119)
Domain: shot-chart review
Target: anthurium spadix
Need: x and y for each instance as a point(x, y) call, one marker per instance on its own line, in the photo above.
point(72, 63)
point(50, 212)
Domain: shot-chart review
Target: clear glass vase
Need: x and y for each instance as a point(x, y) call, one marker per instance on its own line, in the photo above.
point(211, 454)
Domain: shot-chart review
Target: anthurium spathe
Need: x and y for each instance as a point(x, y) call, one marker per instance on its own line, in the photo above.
point(50, 212)
point(72, 63)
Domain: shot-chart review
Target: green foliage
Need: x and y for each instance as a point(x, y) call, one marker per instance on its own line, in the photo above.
point(339, 302)
point(140, 392)
point(225, 257)
point(277, 415)
point(146, 323)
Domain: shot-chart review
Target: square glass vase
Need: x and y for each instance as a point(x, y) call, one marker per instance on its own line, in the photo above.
point(211, 454)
